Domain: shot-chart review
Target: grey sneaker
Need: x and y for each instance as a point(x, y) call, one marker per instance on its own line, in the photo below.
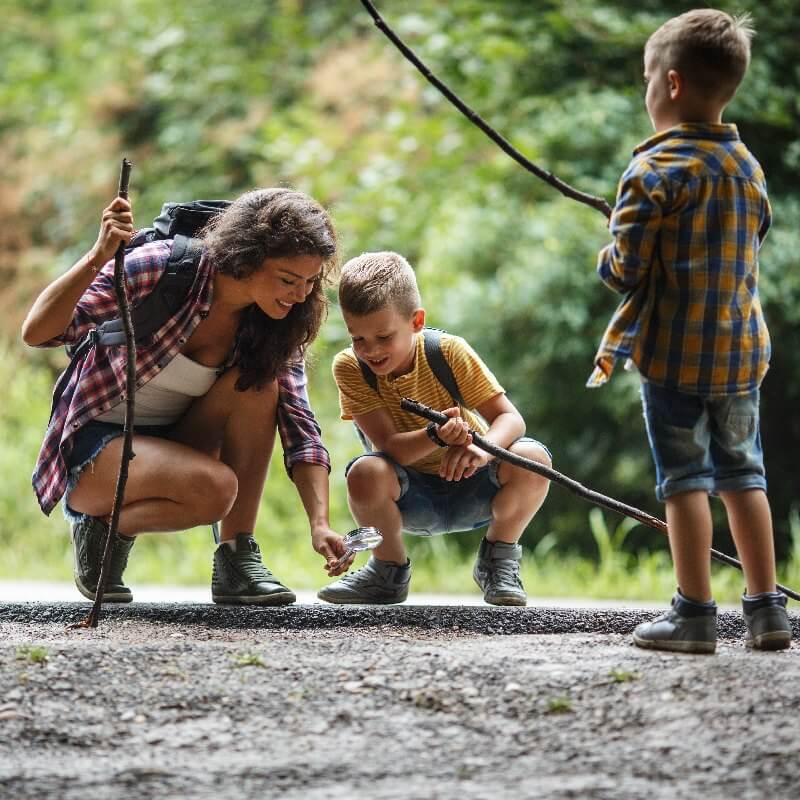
point(688, 627)
point(766, 621)
point(377, 582)
point(88, 536)
point(240, 577)
point(497, 573)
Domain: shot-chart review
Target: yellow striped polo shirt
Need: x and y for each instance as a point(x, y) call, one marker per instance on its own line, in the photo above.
point(475, 382)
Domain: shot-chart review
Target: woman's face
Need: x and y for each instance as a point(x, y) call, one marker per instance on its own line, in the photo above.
point(281, 282)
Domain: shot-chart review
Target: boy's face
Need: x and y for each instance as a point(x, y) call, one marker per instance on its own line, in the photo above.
point(663, 90)
point(385, 339)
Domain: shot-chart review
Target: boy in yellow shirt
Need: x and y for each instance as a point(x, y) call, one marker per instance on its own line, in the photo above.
point(430, 479)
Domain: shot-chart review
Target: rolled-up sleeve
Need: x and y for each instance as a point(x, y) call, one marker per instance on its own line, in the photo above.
point(300, 433)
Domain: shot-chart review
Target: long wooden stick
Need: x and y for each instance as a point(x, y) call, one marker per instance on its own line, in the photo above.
point(568, 191)
point(568, 483)
point(120, 288)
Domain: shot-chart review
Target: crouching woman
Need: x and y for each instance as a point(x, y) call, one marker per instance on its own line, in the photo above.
point(214, 383)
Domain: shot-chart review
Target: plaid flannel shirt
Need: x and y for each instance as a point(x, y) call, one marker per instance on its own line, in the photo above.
point(691, 213)
point(99, 382)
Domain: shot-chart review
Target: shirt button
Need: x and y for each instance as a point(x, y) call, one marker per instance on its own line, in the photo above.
point(75, 424)
point(203, 314)
point(182, 340)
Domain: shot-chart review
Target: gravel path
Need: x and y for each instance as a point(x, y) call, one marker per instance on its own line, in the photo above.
point(182, 701)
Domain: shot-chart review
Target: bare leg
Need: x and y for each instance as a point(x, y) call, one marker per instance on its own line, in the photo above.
point(690, 533)
point(751, 525)
point(177, 484)
point(520, 498)
point(372, 493)
point(244, 424)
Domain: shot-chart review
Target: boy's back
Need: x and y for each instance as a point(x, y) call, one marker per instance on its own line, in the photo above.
point(691, 213)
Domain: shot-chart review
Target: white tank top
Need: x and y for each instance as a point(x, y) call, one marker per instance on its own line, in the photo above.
point(162, 400)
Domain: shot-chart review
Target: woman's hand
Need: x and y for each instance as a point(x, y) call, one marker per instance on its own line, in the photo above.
point(331, 547)
point(116, 228)
point(462, 462)
point(454, 432)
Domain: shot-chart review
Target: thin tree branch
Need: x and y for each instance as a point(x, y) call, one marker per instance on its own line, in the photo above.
point(568, 191)
point(120, 288)
point(568, 483)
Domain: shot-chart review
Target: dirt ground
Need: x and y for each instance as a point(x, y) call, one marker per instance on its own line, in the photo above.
point(175, 703)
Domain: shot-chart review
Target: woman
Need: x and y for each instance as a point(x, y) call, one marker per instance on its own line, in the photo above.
point(212, 386)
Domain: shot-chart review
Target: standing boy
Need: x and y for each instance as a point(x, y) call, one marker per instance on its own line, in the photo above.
point(691, 214)
point(425, 479)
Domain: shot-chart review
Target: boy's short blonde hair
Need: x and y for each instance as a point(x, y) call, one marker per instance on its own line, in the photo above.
point(374, 281)
point(709, 48)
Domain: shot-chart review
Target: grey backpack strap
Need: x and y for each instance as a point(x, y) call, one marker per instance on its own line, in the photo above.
point(369, 376)
point(438, 363)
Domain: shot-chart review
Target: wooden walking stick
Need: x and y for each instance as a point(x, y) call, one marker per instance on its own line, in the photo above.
point(130, 391)
point(568, 483)
point(568, 191)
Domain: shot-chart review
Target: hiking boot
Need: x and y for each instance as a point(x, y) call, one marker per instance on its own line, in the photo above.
point(377, 582)
point(497, 573)
point(88, 536)
point(240, 577)
point(767, 624)
point(688, 627)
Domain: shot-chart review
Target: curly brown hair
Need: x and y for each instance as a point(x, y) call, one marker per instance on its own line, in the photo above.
point(272, 223)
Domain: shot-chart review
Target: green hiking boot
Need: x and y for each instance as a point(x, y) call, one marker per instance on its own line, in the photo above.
point(377, 583)
point(88, 536)
point(688, 627)
point(241, 578)
point(766, 621)
point(497, 574)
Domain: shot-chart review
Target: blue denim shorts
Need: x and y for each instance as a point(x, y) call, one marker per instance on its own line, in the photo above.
point(708, 443)
point(431, 505)
point(88, 443)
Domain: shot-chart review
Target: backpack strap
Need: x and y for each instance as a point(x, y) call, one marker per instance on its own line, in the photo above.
point(442, 371)
point(148, 316)
point(165, 298)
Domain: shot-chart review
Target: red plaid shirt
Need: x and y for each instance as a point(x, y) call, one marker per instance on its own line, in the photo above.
point(98, 383)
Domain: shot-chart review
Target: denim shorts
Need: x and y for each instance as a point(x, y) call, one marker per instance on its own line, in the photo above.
point(430, 505)
point(88, 443)
point(708, 443)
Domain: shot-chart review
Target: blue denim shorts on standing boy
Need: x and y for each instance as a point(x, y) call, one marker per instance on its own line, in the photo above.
point(708, 443)
point(431, 505)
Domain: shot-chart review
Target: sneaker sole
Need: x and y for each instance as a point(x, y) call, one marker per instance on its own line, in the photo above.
point(775, 640)
point(277, 599)
point(507, 601)
point(353, 601)
point(108, 597)
point(701, 648)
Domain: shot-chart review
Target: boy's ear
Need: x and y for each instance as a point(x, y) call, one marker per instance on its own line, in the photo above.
point(675, 84)
point(418, 319)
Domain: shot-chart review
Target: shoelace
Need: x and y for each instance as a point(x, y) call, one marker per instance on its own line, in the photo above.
point(119, 560)
point(503, 572)
point(253, 567)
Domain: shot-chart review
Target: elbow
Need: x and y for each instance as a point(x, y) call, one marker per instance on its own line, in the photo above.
point(29, 335)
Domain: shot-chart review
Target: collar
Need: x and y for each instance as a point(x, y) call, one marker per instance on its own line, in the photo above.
point(718, 131)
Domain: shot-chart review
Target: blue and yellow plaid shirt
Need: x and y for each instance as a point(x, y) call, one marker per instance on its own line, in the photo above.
point(691, 213)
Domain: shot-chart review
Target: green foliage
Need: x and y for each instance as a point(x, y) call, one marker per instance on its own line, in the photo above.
point(33, 654)
point(209, 100)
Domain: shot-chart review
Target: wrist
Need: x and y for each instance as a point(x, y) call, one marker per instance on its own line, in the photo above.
point(432, 431)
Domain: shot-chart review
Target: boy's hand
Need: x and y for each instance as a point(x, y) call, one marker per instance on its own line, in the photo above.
point(454, 432)
point(331, 547)
point(462, 462)
point(116, 227)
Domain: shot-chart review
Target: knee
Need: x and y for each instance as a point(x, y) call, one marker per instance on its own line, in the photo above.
point(216, 488)
point(533, 452)
point(371, 477)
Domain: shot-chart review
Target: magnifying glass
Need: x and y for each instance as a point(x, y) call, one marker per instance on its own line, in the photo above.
point(358, 540)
